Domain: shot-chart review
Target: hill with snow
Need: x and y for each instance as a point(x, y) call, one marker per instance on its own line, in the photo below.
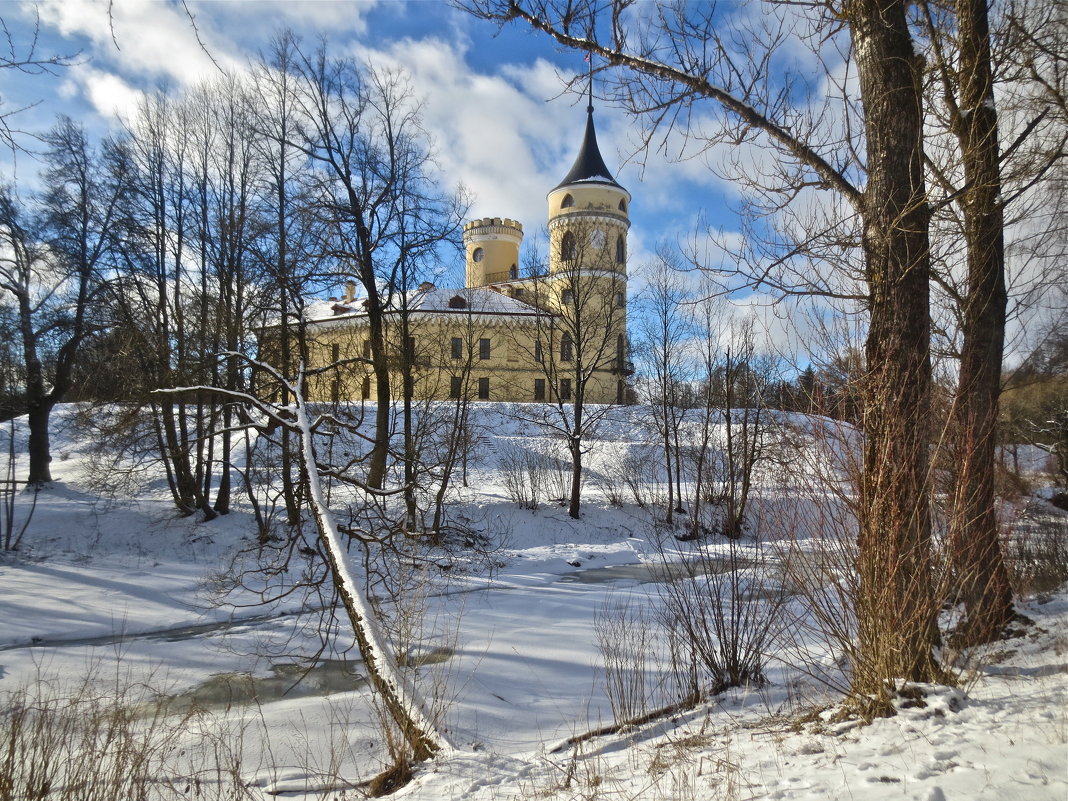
point(532, 637)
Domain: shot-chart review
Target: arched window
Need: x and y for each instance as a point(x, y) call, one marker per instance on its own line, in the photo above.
point(567, 202)
point(567, 246)
point(457, 302)
point(623, 206)
point(621, 249)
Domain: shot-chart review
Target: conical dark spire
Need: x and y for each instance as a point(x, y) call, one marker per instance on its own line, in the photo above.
point(589, 167)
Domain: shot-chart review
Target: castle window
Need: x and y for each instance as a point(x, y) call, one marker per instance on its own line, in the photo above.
point(568, 297)
point(621, 249)
point(621, 300)
point(565, 389)
point(483, 389)
point(567, 246)
point(567, 202)
point(538, 357)
point(513, 272)
point(620, 351)
point(457, 348)
point(457, 302)
point(539, 389)
point(456, 386)
point(367, 349)
point(365, 390)
point(484, 349)
point(623, 206)
point(478, 254)
point(335, 352)
point(566, 348)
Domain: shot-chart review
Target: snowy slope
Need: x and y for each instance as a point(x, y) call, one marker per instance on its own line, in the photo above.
point(119, 590)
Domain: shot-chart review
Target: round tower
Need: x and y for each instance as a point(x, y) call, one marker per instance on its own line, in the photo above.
point(589, 214)
point(491, 245)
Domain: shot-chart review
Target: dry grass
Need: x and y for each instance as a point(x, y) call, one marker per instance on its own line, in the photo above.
point(84, 744)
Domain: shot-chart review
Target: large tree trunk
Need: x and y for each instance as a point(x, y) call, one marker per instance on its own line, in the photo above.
point(982, 579)
point(896, 613)
point(39, 448)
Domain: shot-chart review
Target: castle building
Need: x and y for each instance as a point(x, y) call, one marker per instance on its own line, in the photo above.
point(559, 335)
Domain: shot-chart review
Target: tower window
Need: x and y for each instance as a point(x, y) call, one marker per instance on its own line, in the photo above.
point(621, 300)
point(567, 246)
point(567, 202)
point(621, 249)
point(478, 254)
point(483, 389)
point(623, 206)
point(568, 297)
point(457, 302)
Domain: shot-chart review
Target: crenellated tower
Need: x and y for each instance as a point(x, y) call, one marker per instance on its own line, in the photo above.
point(491, 245)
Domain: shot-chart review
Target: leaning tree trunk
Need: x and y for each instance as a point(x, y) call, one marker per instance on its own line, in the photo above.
point(982, 578)
point(402, 700)
point(896, 615)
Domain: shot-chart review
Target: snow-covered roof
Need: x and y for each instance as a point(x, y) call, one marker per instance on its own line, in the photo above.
point(428, 299)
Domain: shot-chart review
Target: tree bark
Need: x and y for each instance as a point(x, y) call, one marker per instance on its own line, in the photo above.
point(896, 614)
point(982, 579)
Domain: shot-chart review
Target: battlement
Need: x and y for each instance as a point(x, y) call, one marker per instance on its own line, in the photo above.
point(493, 225)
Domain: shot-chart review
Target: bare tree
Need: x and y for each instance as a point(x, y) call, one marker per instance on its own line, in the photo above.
point(288, 259)
point(54, 268)
point(26, 57)
point(663, 335)
point(362, 128)
point(402, 700)
point(578, 343)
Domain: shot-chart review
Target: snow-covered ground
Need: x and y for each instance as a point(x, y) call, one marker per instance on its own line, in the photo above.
point(119, 592)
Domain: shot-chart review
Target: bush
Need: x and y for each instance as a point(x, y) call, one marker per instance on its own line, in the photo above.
point(1036, 554)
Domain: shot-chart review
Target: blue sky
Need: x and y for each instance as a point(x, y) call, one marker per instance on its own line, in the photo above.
point(492, 99)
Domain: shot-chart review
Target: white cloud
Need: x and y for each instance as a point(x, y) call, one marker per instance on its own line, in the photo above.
point(493, 133)
point(111, 96)
point(142, 39)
